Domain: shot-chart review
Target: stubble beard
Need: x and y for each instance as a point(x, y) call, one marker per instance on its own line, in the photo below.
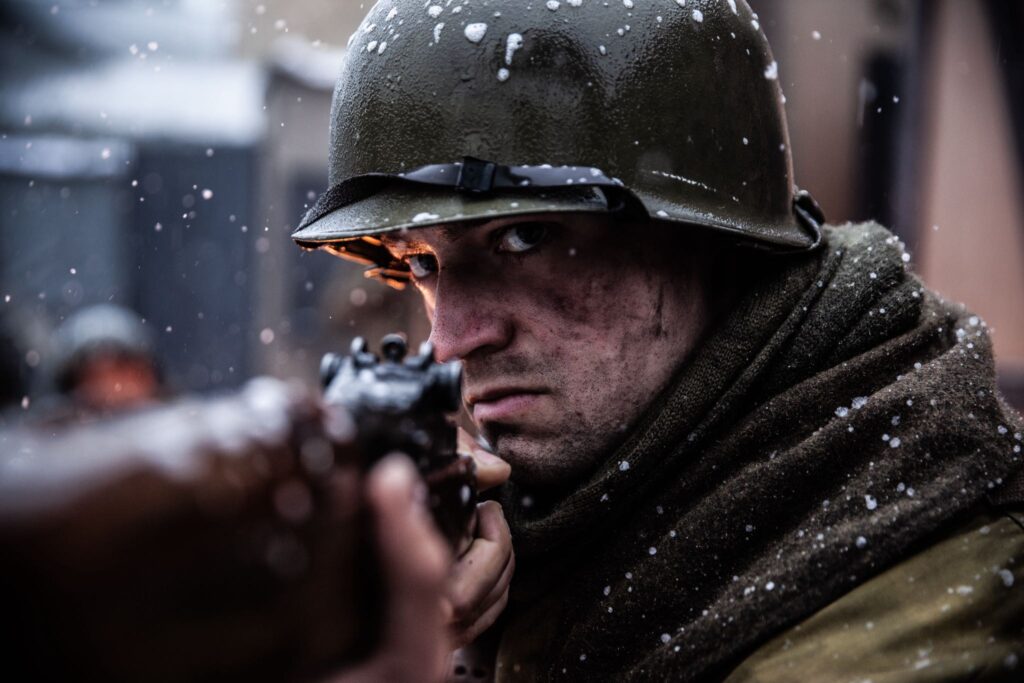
point(548, 461)
point(561, 449)
point(562, 452)
point(545, 451)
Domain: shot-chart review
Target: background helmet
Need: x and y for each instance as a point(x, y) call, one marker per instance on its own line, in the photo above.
point(104, 329)
point(446, 113)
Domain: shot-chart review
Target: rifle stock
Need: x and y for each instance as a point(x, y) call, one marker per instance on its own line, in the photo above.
point(210, 539)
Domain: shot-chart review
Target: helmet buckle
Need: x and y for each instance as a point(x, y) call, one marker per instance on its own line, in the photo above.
point(476, 175)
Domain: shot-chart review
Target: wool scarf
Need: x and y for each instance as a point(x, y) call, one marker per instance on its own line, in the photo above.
point(838, 418)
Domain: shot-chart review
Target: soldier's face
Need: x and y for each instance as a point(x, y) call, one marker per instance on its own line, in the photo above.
point(568, 325)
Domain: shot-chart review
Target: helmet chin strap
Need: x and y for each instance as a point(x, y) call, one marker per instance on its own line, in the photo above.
point(809, 215)
point(480, 176)
point(471, 175)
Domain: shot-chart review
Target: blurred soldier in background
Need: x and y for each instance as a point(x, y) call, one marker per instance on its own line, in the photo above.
point(743, 444)
point(103, 361)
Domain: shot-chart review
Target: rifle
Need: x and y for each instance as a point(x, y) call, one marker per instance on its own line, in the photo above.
point(219, 538)
point(401, 404)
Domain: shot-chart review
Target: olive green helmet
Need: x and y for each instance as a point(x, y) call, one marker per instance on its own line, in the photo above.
point(447, 112)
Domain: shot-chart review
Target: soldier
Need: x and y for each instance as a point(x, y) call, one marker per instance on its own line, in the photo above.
point(104, 361)
point(744, 445)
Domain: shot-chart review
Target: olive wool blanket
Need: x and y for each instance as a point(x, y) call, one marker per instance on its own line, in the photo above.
point(838, 418)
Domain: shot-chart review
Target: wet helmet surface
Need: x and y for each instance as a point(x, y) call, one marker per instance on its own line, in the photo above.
point(458, 111)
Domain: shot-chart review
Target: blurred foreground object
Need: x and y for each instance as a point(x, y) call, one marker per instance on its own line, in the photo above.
point(211, 539)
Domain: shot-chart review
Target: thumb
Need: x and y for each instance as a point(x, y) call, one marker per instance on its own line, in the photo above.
point(491, 470)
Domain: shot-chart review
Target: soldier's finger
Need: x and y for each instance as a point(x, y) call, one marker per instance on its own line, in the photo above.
point(491, 470)
point(414, 561)
point(473, 578)
point(502, 585)
point(490, 551)
point(484, 622)
point(491, 524)
point(482, 567)
point(411, 548)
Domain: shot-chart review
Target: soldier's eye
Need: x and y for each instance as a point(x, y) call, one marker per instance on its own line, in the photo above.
point(421, 265)
point(520, 238)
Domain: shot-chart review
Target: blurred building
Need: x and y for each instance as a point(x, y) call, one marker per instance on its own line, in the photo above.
point(127, 167)
point(309, 303)
point(910, 112)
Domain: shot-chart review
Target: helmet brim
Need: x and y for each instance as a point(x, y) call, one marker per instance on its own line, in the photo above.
point(352, 231)
point(407, 207)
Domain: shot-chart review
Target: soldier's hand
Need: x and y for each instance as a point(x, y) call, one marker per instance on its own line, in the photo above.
point(491, 470)
point(415, 561)
point(478, 588)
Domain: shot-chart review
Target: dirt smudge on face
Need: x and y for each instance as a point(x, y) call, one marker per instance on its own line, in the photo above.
point(658, 325)
point(597, 335)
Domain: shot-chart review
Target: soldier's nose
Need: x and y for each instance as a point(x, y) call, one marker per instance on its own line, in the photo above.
point(464, 324)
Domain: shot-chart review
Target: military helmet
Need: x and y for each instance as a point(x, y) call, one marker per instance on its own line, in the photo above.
point(103, 329)
point(450, 112)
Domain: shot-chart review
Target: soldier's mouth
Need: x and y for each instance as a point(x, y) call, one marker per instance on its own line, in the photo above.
point(502, 403)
